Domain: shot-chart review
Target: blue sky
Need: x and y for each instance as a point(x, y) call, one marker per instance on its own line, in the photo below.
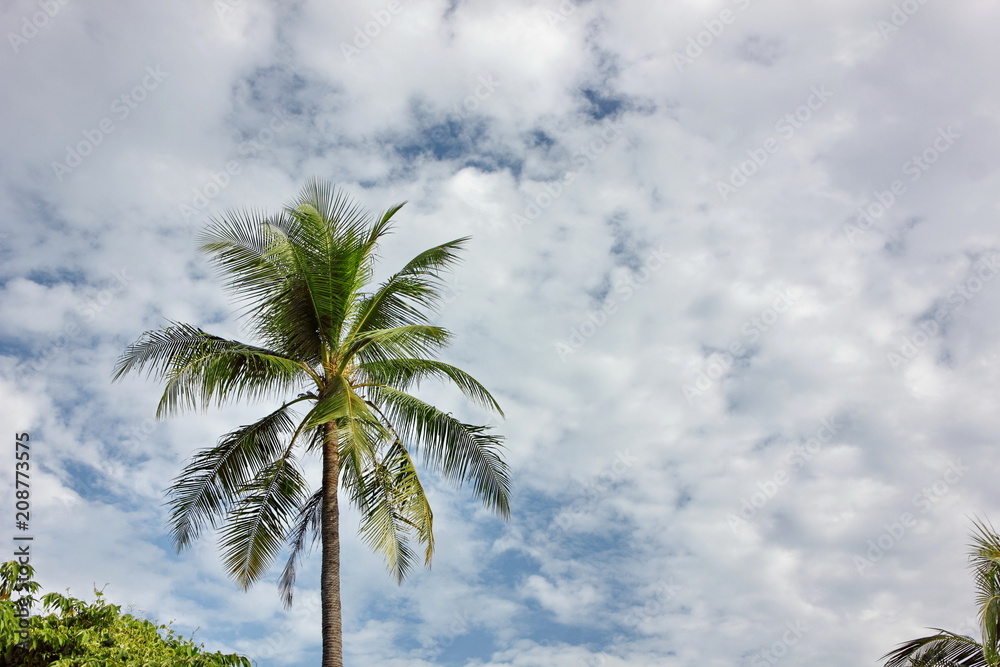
point(732, 278)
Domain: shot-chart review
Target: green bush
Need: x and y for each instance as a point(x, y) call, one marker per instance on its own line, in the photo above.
point(96, 634)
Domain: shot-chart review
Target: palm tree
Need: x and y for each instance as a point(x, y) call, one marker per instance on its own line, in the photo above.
point(947, 649)
point(341, 357)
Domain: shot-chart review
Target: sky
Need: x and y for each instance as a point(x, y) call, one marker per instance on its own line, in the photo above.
point(732, 277)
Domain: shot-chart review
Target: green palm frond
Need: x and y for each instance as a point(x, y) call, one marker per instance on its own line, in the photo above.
point(308, 522)
point(394, 506)
point(257, 524)
point(415, 340)
point(201, 369)
point(241, 248)
point(406, 296)
point(947, 649)
point(405, 373)
point(359, 434)
point(204, 491)
point(339, 216)
point(944, 649)
point(434, 260)
point(462, 452)
point(323, 276)
point(984, 558)
point(287, 297)
point(383, 526)
point(253, 252)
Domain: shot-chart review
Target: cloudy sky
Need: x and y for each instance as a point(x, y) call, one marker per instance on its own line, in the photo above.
point(732, 278)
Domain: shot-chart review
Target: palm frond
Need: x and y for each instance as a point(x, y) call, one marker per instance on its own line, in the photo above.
point(308, 521)
point(298, 316)
point(204, 491)
point(251, 251)
point(984, 558)
point(412, 341)
point(404, 373)
point(394, 506)
point(462, 452)
point(201, 368)
point(944, 649)
point(406, 296)
point(341, 214)
point(329, 239)
point(258, 524)
point(359, 435)
point(240, 246)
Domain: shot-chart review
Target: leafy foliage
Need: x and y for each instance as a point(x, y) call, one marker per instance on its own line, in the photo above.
point(77, 633)
point(947, 649)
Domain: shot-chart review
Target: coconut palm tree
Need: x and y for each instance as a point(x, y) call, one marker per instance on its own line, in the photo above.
point(341, 356)
point(947, 649)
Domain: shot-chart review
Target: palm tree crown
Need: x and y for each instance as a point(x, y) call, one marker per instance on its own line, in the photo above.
point(948, 649)
point(341, 357)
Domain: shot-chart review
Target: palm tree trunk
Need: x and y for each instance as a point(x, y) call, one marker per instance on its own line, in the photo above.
point(333, 643)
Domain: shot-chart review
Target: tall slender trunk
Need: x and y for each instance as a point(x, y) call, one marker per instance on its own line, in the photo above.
point(333, 642)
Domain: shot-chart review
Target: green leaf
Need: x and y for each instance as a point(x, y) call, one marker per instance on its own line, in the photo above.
point(256, 526)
